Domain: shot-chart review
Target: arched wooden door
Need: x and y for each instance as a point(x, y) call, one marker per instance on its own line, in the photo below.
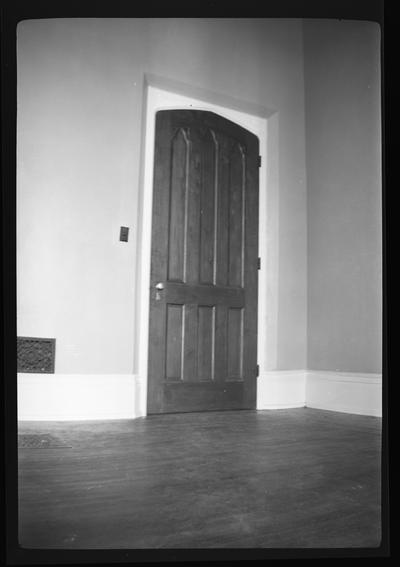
point(204, 265)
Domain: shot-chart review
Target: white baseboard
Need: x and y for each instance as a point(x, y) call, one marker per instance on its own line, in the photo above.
point(62, 397)
point(279, 389)
point(346, 392)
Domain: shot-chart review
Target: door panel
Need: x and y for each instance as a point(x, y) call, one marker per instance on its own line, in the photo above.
point(174, 342)
point(205, 345)
point(177, 207)
point(203, 322)
point(235, 344)
point(236, 191)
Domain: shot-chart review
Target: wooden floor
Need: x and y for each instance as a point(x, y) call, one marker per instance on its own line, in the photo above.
point(237, 479)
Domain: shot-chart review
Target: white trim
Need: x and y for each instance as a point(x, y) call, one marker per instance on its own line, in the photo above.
point(348, 392)
point(157, 99)
point(62, 397)
point(281, 389)
point(346, 376)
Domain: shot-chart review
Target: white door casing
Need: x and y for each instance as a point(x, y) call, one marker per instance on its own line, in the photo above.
point(159, 99)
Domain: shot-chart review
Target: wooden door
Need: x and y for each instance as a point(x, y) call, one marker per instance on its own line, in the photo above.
point(204, 265)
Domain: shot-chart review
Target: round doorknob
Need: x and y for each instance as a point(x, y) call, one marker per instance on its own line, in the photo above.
point(160, 286)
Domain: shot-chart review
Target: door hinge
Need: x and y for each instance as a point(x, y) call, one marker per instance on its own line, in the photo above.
point(259, 161)
point(257, 370)
point(258, 263)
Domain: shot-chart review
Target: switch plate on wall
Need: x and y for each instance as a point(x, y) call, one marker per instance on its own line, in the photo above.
point(123, 234)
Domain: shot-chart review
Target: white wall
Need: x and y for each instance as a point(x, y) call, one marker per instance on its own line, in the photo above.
point(343, 143)
point(80, 128)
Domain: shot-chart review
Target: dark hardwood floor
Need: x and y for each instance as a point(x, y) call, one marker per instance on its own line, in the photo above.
point(251, 479)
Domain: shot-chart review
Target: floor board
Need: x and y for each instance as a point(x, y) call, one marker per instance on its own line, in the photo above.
point(259, 479)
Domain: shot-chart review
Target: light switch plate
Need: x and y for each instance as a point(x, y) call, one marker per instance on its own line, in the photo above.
point(124, 233)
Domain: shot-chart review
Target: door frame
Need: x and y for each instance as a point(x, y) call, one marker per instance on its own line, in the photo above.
point(159, 98)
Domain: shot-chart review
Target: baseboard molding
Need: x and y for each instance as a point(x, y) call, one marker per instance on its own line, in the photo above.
point(59, 397)
point(280, 389)
point(65, 397)
point(347, 392)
